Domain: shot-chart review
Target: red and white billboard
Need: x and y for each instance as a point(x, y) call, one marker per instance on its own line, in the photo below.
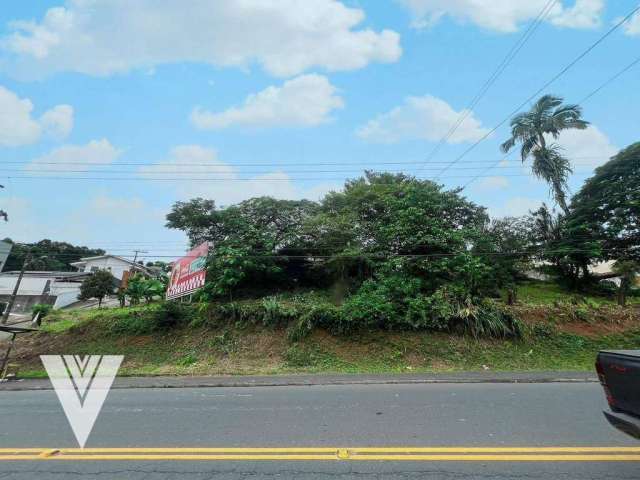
point(188, 273)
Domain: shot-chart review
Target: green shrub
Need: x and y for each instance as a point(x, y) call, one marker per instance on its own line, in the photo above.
point(171, 314)
point(486, 320)
point(269, 312)
point(187, 360)
point(301, 356)
point(543, 331)
point(43, 309)
point(143, 321)
point(431, 313)
point(276, 314)
point(372, 305)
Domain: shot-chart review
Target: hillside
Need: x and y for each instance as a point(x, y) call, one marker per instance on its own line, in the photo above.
point(559, 332)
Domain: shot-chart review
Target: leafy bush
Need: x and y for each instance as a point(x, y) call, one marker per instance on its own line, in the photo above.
point(486, 320)
point(301, 356)
point(324, 315)
point(431, 313)
point(276, 314)
point(269, 312)
point(163, 316)
point(543, 331)
point(171, 314)
point(43, 309)
point(187, 360)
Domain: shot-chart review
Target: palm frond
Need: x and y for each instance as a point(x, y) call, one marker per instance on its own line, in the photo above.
point(508, 145)
point(527, 147)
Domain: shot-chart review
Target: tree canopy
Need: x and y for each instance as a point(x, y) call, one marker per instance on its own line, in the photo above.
point(398, 249)
point(47, 255)
point(98, 286)
point(606, 210)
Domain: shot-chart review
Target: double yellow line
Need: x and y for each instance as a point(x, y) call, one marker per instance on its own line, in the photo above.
point(415, 454)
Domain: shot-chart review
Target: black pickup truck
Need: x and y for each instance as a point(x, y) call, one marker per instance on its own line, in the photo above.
point(619, 374)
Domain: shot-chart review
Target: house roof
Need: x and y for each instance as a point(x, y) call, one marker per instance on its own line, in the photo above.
point(46, 274)
point(100, 257)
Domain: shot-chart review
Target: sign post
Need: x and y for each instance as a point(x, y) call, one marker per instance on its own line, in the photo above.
point(188, 273)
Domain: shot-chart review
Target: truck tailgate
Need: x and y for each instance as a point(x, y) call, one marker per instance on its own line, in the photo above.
point(621, 371)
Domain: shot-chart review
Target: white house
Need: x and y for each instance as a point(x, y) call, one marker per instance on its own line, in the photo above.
point(55, 288)
point(112, 263)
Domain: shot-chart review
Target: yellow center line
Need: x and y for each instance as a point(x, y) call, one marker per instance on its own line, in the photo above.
point(423, 454)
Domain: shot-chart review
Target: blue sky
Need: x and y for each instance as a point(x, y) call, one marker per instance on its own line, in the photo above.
point(284, 98)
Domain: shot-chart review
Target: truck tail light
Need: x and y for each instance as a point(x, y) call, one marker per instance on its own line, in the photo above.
point(603, 382)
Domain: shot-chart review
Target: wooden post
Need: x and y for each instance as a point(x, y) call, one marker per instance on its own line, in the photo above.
point(7, 311)
point(5, 360)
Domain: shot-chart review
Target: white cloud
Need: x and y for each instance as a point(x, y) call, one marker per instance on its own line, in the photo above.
point(18, 127)
point(425, 118)
point(515, 207)
point(103, 221)
point(305, 101)
point(587, 148)
point(71, 159)
point(58, 122)
point(505, 15)
point(119, 209)
point(632, 27)
point(227, 185)
point(285, 37)
point(491, 184)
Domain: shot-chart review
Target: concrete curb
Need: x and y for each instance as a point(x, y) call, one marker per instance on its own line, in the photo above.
point(311, 380)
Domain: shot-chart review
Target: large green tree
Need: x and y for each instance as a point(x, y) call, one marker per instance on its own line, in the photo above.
point(98, 286)
point(256, 243)
point(395, 222)
point(606, 210)
point(533, 130)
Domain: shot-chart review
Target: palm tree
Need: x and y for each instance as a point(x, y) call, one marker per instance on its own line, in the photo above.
point(532, 129)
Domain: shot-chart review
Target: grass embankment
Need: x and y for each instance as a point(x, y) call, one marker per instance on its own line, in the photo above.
point(561, 332)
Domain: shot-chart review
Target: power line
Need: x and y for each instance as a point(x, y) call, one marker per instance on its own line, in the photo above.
point(542, 88)
point(494, 76)
point(265, 165)
point(254, 172)
point(219, 179)
point(584, 100)
point(383, 255)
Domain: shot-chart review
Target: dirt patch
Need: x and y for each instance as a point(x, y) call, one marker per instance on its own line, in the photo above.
point(580, 320)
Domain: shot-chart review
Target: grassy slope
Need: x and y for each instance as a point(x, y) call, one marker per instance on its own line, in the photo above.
point(559, 335)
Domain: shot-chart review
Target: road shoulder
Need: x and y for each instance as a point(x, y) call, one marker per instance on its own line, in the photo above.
point(308, 380)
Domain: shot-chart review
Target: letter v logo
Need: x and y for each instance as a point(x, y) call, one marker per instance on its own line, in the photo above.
point(82, 385)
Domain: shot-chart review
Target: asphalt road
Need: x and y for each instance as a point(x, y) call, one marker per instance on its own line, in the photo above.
point(348, 416)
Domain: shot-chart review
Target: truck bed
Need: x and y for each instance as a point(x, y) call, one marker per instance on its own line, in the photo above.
point(619, 372)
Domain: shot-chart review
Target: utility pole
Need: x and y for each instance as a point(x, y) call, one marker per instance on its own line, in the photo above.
point(135, 257)
point(7, 311)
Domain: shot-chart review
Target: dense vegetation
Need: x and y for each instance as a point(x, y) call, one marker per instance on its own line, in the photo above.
point(400, 253)
point(396, 252)
point(560, 331)
point(47, 255)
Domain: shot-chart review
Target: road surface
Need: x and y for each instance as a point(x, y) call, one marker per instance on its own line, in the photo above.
point(336, 422)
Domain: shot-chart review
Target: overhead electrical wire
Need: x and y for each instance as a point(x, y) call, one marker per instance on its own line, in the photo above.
point(492, 79)
point(581, 102)
point(220, 179)
point(383, 255)
point(264, 165)
point(564, 70)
